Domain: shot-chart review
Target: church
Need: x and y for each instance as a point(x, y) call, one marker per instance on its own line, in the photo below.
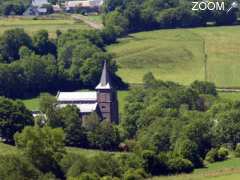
point(103, 100)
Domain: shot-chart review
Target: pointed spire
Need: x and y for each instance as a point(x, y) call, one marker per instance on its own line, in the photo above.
point(105, 79)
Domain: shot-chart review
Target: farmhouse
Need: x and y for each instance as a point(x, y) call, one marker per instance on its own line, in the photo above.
point(103, 101)
point(83, 4)
point(37, 8)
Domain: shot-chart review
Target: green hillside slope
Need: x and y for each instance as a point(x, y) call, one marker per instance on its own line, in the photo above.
point(178, 55)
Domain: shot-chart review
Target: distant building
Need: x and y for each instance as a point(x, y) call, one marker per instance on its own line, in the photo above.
point(57, 8)
point(37, 8)
point(83, 4)
point(103, 101)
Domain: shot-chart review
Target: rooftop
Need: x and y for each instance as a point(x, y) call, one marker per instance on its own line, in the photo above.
point(77, 96)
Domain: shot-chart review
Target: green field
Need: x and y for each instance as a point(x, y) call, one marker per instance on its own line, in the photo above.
point(230, 95)
point(178, 55)
point(226, 170)
point(33, 25)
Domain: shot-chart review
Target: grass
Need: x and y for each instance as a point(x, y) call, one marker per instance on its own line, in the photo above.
point(225, 170)
point(230, 95)
point(32, 104)
point(31, 26)
point(178, 55)
point(7, 149)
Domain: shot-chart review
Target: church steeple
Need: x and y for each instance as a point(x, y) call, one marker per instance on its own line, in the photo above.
point(105, 78)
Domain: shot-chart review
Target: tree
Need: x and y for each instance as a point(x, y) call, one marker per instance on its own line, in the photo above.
point(13, 166)
point(43, 147)
point(228, 127)
point(75, 135)
point(47, 102)
point(105, 136)
point(42, 44)
point(10, 43)
point(204, 87)
point(14, 116)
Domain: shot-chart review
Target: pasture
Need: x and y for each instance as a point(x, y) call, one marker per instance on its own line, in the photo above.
point(178, 55)
point(225, 170)
point(31, 25)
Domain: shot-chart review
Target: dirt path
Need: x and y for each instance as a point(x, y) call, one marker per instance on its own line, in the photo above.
point(87, 21)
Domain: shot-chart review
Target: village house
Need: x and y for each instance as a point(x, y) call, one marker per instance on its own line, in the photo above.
point(103, 101)
point(37, 8)
point(88, 5)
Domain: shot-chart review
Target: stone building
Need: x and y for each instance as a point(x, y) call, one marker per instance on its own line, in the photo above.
point(103, 101)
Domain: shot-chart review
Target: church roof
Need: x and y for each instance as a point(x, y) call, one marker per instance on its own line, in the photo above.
point(77, 96)
point(84, 108)
point(105, 78)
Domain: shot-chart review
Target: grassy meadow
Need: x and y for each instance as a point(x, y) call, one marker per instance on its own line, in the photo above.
point(226, 170)
point(31, 25)
point(178, 55)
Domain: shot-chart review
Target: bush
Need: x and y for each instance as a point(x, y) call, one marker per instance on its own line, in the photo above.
point(222, 154)
point(212, 155)
point(237, 150)
point(105, 165)
point(109, 178)
point(217, 155)
point(16, 167)
point(154, 164)
point(135, 174)
point(81, 165)
point(129, 161)
point(180, 165)
point(86, 176)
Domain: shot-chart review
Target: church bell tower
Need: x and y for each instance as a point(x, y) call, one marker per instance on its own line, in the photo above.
point(107, 97)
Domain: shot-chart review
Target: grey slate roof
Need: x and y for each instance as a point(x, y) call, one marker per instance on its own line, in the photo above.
point(105, 79)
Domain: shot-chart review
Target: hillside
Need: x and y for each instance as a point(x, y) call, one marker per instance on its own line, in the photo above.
point(178, 55)
point(51, 23)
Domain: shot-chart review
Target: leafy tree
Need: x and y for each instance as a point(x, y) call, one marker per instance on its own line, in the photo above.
point(75, 135)
point(10, 43)
point(14, 116)
point(47, 102)
point(105, 165)
point(44, 147)
point(105, 136)
point(13, 166)
point(228, 127)
point(204, 87)
point(42, 44)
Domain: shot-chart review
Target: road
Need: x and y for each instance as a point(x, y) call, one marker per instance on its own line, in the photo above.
point(91, 23)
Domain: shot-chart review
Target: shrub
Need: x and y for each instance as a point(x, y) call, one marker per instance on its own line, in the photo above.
point(154, 164)
point(222, 154)
point(14, 166)
point(134, 174)
point(85, 176)
point(80, 166)
point(180, 165)
point(237, 150)
point(217, 155)
point(212, 155)
point(109, 178)
point(128, 161)
point(105, 165)
point(68, 160)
